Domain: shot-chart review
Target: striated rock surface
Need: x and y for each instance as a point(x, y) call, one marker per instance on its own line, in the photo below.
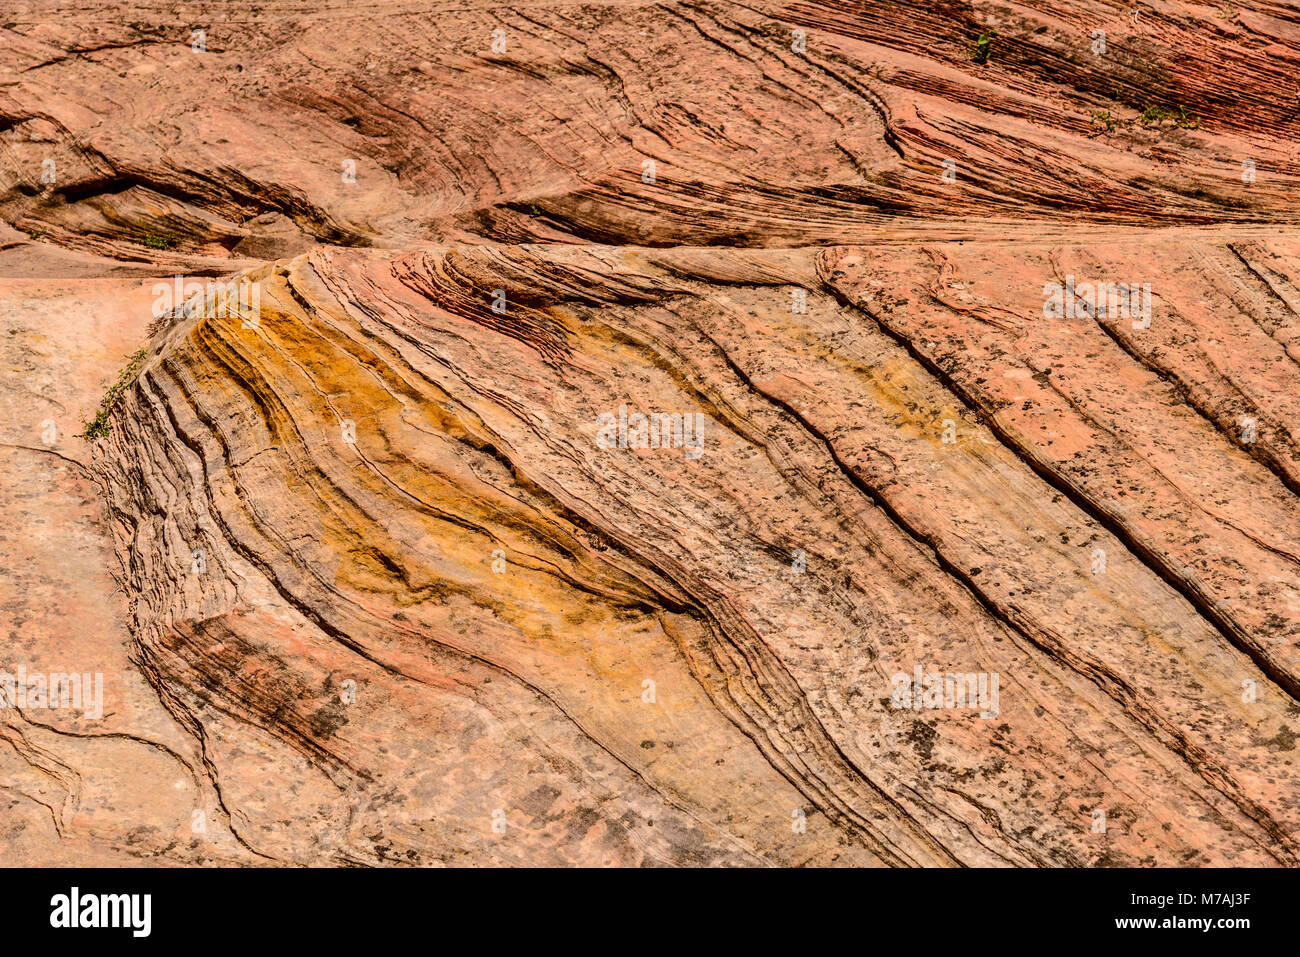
point(637, 401)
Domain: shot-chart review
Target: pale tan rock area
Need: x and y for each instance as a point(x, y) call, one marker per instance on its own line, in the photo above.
point(636, 397)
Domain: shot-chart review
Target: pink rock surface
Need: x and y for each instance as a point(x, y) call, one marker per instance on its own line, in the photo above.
point(377, 571)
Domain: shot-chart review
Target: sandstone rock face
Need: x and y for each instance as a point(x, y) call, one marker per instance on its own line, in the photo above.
point(633, 410)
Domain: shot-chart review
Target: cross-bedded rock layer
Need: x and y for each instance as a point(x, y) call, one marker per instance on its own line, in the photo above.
point(400, 569)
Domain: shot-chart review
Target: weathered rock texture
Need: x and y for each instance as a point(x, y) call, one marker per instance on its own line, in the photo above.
point(389, 597)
